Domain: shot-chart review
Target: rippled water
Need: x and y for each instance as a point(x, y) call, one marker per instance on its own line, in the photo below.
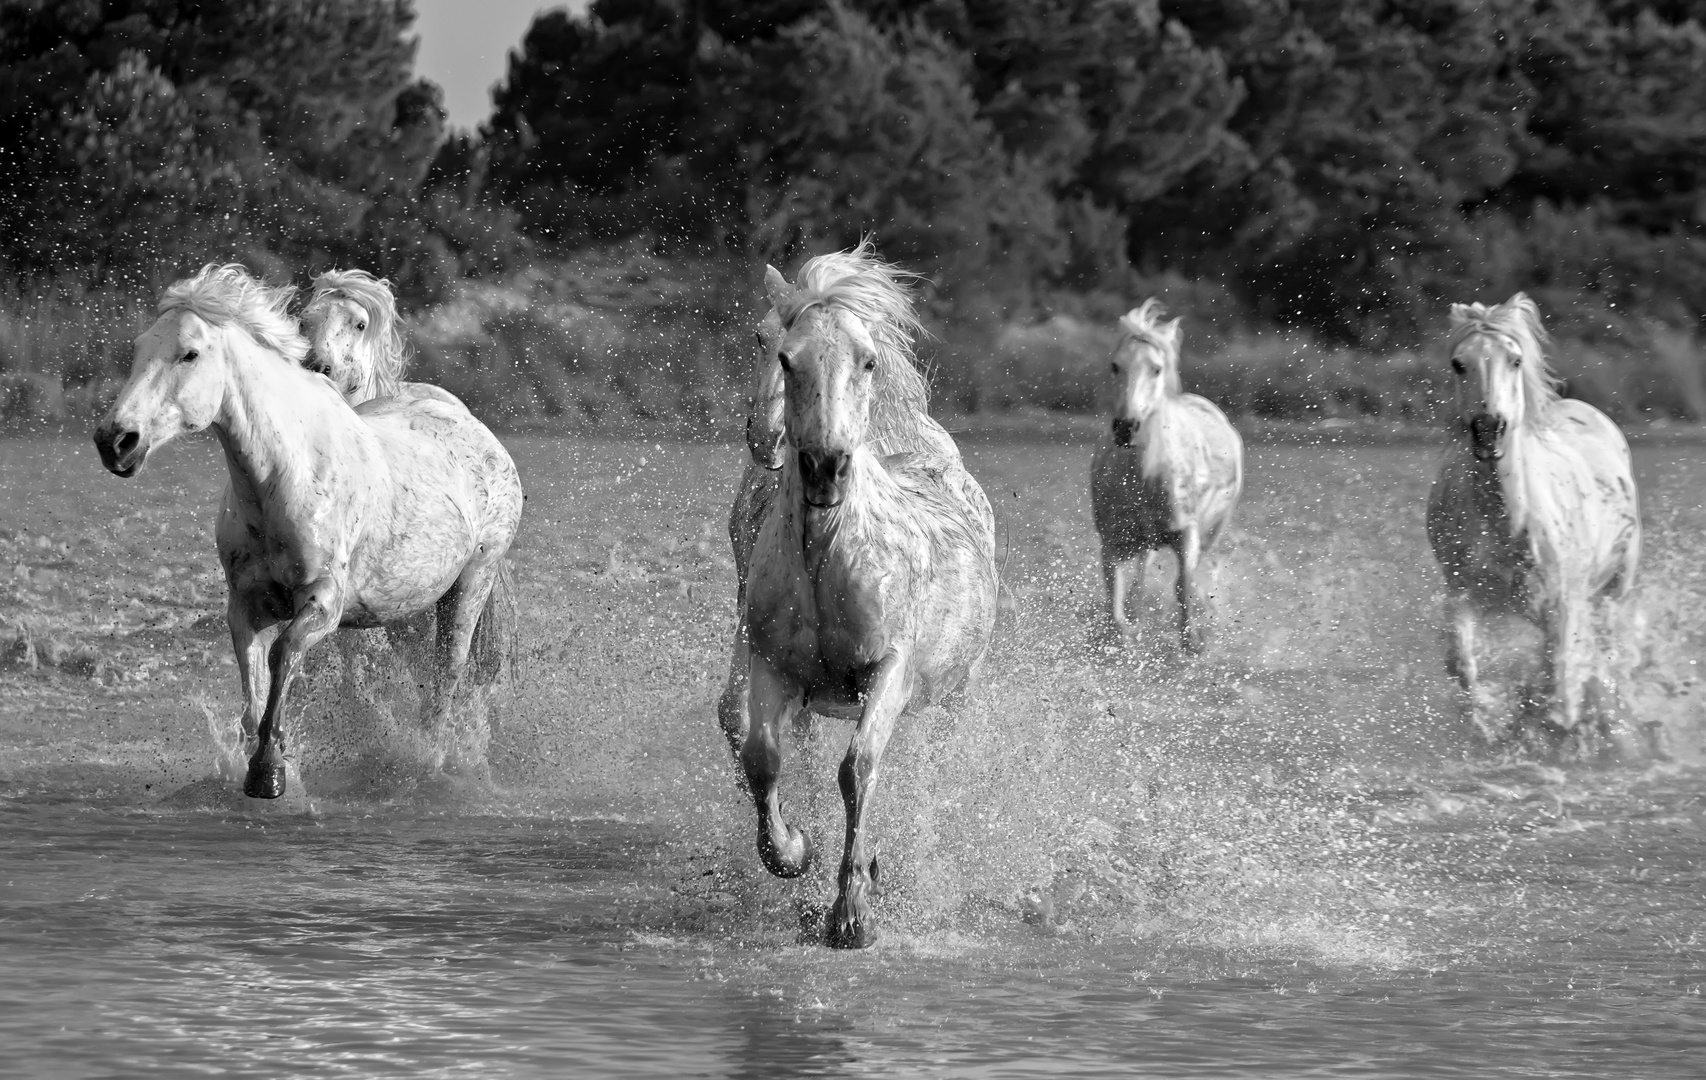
point(1287, 860)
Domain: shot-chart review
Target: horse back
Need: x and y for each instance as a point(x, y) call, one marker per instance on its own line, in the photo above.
point(454, 495)
point(1588, 475)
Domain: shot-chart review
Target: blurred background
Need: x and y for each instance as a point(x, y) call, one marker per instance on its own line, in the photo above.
point(1310, 184)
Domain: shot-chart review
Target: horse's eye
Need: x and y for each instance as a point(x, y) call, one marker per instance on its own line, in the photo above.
point(1115, 368)
point(785, 360)
point(188, 356)
point(360, 327)
point(870, 365)
point(1516, 360)
point(1457, 365)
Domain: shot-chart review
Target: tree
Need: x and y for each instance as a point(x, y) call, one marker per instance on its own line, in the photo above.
point(142, 135)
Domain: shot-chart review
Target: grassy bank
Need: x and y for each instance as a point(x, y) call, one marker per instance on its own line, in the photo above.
point(622, 340)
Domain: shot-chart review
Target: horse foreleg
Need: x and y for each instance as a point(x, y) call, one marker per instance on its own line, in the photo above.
point(1460, 642)
point(733, 708)
point(318, 608)
point(1116, 583)
point(1192, 633)
point(1566, 663)
point(250, 643)
point(885, 697)
point(772, 702)
point(1460, 663)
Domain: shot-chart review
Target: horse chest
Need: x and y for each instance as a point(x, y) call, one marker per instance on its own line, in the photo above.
point(1478, 547)
point(823, 622)
point(1131, 510)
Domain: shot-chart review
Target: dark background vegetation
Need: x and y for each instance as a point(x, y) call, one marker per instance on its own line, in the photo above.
point(1309, 182)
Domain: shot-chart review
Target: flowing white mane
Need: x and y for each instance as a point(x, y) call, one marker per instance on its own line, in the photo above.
point(377, 362)
point(876, 294)
point(229, 294)
point(1519, 319)
point(1144, 324)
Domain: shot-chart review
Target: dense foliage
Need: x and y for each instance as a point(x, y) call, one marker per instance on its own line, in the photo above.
point(1345, 166)
point(140, 137)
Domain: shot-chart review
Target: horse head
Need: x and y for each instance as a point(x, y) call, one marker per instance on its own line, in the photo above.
point(765, 425)
point(356, 334)
point(828, 362)
point(1498, 359)
point(1145, 368)
point(181, 366)
point(846, 361)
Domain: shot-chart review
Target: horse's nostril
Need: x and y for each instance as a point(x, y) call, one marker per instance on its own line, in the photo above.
point(127, 442)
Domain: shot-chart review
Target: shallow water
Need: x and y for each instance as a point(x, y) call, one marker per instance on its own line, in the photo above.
point(1286, 860)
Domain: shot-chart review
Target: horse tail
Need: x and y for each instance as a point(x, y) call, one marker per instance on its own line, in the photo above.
point(497, 636)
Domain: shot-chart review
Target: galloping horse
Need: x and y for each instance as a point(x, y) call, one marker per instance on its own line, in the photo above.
point(899, 425)
point(331, 518)
point(1168, 476)
point(1534, 511)
point(870, 587)
point(355, 338)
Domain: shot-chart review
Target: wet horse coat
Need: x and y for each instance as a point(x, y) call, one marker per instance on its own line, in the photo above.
point(1168, 476)
point(330, 518)
point(1535, 513)
point(870, 584)
point(355, 338)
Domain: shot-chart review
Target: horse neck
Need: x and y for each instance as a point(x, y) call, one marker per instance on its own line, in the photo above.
point(265, 432)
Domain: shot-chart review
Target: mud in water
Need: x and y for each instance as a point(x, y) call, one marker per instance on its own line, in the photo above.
point(1290, 857)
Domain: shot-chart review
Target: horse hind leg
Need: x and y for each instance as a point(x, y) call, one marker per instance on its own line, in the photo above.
point(458, 614)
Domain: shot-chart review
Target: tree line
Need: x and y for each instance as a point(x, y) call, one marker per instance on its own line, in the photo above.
point(1341, 166)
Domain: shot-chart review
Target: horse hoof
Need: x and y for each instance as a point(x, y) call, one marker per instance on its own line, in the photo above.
point(781, 865)
point(264, 781)
point(848, 933)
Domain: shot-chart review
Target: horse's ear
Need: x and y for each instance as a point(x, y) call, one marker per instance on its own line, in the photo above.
point(776, 287)
point(1459, 314)
point(1132, 322)
point(1172, 330)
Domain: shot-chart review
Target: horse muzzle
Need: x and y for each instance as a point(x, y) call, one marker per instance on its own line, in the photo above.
point(122, 449)
point(1124, 431)
point(1485, 436)
point(824, 476)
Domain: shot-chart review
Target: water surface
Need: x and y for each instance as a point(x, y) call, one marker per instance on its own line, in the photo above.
point(1286, 860)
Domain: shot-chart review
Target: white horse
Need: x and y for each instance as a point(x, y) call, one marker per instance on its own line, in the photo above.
point(355, 338)
point(1169, 476)
point(331, 518)
point(871, 583)
point(899, 425)
point(1534, 513)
